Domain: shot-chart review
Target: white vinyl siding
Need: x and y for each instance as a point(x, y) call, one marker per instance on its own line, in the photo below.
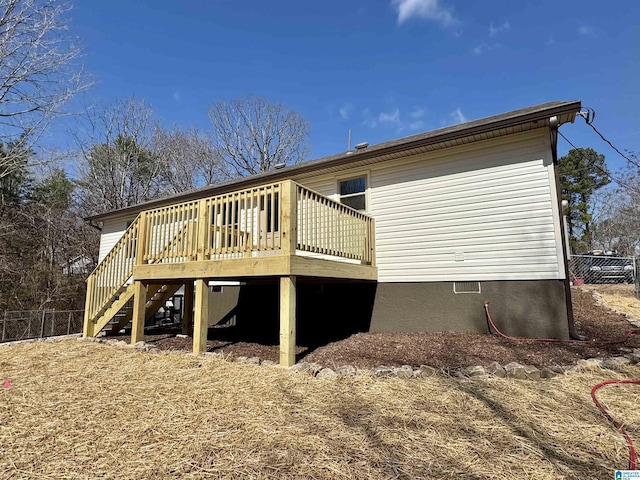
point(474, 213)
point(112, 230)
point(479, 212)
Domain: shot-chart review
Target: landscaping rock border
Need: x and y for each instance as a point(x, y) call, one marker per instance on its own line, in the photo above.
point(493, 370)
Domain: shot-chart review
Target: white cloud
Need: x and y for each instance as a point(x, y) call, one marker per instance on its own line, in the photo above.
point(484, 47)
point(417, 125)
point(394, 119)
point(425, 9)
point(493, 30)
point(176, 96)
point(458, 116)
point(369, 120)
point(391, 117)
point(345, 111)
point(585, 30)
point(417, 112)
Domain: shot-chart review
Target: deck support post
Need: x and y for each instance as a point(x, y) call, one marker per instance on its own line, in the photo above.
point(287, 321)
point(201, 316)
point(139, 312)
point(187, 308)
point(88, 326)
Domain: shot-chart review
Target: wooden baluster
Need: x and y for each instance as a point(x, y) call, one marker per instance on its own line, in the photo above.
point(202, 229)
point(289, 215)
point(272, 224)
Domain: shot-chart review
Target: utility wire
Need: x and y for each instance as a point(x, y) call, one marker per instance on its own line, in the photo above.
point(588, 118)
point(602, 170)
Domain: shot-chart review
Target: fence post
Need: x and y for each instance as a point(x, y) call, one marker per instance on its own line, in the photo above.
point(53, 323)
point(636, 267)
point(4, 325)
point(44, 312)
point(69, 324)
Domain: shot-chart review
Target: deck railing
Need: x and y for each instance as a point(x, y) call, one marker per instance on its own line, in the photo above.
point(277, 218)
point(330, 228)
point(112, 273)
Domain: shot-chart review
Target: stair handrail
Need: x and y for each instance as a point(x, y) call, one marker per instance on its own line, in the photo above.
point(108, 278)
point(126, 273)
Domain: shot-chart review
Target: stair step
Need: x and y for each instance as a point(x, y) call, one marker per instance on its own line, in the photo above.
point(160, 294)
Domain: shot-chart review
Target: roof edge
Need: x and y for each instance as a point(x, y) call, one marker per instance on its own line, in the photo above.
point(474, 127)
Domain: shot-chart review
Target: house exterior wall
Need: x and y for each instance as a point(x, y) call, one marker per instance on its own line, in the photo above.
point(529, 308)
point(335, 310)
point(112, 230)
point(482, 212)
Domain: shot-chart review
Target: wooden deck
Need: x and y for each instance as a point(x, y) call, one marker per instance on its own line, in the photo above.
point(281, 230)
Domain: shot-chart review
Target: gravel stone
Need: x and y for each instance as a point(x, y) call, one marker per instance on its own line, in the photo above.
point(589, 365)
point(546, 372)
point(384, 371)
point(405, 371)
point(476, 371)
point(495, 369)
point(515, 370)
point(346, 371)
point(425, 371)
point(327, 373)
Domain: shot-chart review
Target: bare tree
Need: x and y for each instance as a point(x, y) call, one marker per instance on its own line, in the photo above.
point(189, 159)
point(254, 135)
point(41, 232)
point(617, 225)
point(117, 164)
point(38, 72)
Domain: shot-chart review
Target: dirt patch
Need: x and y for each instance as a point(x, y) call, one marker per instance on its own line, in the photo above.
point(232, 348)
point(441, 350)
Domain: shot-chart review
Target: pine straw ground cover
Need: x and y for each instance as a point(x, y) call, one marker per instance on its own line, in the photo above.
point(84, 410)
point(620, 298)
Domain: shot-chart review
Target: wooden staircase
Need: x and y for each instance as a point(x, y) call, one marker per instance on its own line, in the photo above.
point(157, 296)
point(110, 286)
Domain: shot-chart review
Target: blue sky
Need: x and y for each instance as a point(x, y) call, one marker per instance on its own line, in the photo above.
point(384, 68)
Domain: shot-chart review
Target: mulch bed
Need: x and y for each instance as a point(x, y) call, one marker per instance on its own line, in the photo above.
point(440, 350)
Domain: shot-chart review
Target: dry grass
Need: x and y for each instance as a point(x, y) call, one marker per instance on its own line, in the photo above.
point(84, 410)
point(621, 300)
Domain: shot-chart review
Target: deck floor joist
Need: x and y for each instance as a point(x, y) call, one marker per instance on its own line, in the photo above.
point(241, 268)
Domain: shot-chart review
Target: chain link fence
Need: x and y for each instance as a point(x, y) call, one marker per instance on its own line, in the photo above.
point(22, 325)
point(602, 269)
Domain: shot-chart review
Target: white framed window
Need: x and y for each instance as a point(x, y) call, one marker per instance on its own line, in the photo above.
point(352, 191)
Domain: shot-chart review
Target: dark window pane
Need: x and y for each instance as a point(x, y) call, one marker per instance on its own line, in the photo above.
point(357, 202)
point(276, 219)
point(355, 185)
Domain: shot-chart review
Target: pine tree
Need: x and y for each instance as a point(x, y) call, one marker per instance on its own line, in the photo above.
point(582, 172)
